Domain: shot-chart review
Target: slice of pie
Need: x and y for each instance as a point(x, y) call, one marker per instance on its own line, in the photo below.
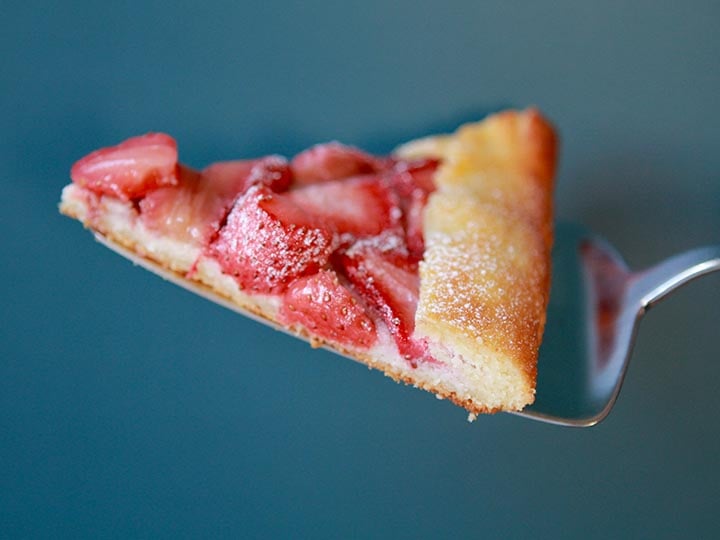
point(431, 264)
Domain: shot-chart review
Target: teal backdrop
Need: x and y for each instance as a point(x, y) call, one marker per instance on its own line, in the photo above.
point(131, 409)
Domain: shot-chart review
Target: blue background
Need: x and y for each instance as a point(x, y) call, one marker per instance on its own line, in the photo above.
point(130, 408)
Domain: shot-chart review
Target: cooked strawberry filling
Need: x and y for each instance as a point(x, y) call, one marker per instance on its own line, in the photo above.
point(360, 206)
point(268, 241)
point(381, 269)
point(335, 233)
point(332, 161)
point(327, 308)
point(131, 169)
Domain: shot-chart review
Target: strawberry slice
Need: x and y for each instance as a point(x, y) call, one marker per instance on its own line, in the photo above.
point(190, 211)
point(271, 171)
point(390, 284)
point(229, 176)
point(331, 161)
point(362, 206)
point(268, 241)
point(414, 212)
point(414, 182)
point(193, 210)
point(408, 176)
point(237, 176)
point(329, 310)
point(131, 169)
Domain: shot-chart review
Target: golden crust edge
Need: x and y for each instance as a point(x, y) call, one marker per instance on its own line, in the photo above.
point(536, 157)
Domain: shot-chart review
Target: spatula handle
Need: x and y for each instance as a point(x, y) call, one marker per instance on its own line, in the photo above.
point(650, 286)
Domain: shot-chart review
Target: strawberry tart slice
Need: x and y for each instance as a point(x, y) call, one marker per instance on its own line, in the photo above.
point(431, 264)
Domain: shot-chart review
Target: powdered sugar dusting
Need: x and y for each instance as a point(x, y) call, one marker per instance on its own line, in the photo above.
point(263, 252)
point(482, 279)
point(386, 242)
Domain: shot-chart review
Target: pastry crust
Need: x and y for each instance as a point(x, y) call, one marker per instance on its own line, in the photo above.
point(484, 281)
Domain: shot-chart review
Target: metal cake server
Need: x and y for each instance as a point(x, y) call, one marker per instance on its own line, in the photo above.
point(596, 303)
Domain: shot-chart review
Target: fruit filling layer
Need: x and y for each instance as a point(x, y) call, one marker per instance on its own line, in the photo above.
point(336, 233)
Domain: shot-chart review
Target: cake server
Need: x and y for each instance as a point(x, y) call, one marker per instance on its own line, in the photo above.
point(596, 304)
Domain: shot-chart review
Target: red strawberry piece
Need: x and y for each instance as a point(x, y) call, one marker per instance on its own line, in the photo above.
point(193, 210)
point(389, 284)
point(390, 245)
point(131, 169)
point(268, 241)
point(190, 211)
point(407, 176)
point(331, 161)
point(273, 172)
point(329, 310)
point(414, 211)
point(362, 206)
point(237, 176)
point(229, 176)
point(414, 181)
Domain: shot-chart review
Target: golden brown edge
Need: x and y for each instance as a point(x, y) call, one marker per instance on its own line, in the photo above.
point(534, 149)
point(542, 164)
